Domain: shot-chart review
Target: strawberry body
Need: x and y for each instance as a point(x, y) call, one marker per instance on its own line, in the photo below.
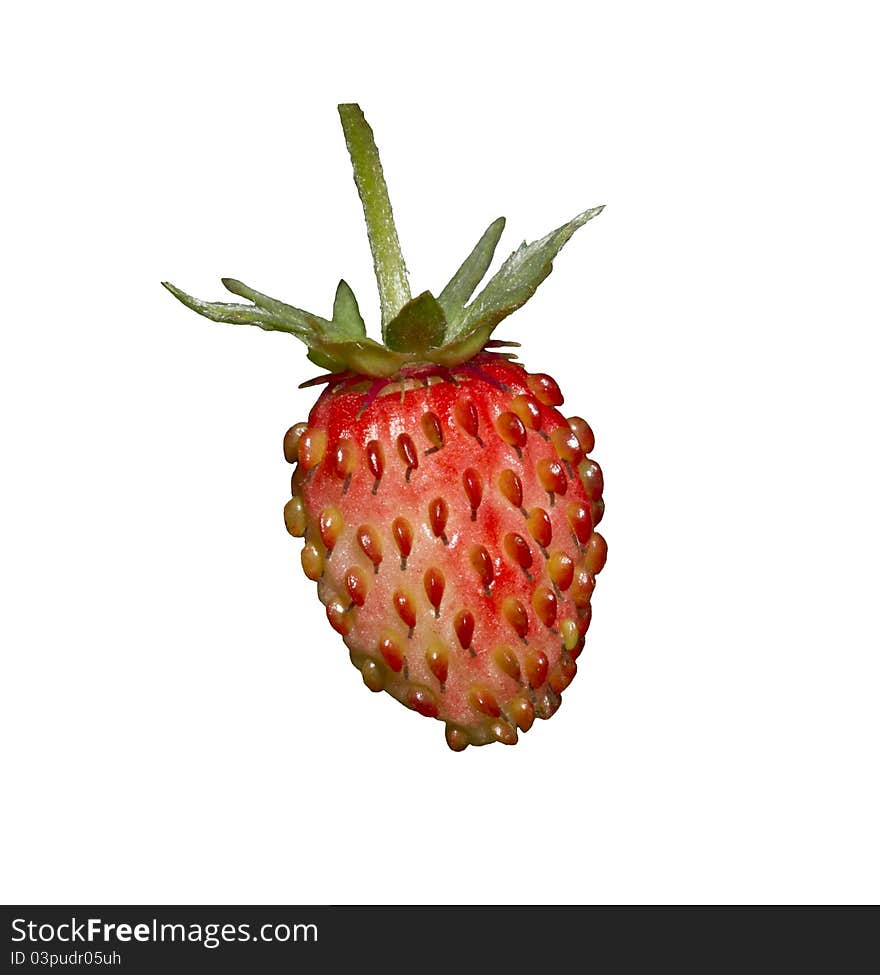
point(449, 525)
point(448, 508)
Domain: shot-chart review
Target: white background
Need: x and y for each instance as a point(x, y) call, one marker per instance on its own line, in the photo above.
point(179, 724)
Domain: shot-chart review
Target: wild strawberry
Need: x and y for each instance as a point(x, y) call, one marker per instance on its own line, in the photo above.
point(448, 509)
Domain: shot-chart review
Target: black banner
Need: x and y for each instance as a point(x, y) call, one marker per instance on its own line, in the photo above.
point(150, 939)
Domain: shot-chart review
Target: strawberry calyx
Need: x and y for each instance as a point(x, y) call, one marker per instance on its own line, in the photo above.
point(418, 333)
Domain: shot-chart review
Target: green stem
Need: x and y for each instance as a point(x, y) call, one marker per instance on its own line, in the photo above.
point(387, 259)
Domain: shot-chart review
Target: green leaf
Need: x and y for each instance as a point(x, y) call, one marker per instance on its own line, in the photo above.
point(516, 281)
point(347, 319)
point(235, 314)
point(457, 293)
point(332, 345)
point(419, 326)
point(281, 311)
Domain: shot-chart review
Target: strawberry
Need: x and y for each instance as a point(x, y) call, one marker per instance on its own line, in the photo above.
point(448, 508)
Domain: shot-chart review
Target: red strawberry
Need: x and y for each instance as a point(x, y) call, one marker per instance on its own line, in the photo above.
point(448, 508)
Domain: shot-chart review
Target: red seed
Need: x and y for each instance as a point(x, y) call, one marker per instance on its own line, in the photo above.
point(391, 653)
point(581, 429)
point(473, 488)
point(339, 619)
point(435, 583)
point(597, 552)
point(563, 673)
point(371, 544)
point(402, 533)
point(344, 459)
point(551, 476)
point(516, 615)
point(539, 526)
point(511, 487)
point(484, 700)
point(438, 513)
point(422, 700)
point(545, 605)
point(330, 524)
point(375, 460)
point(527, 409)
point(437, 659)
point(536, 666)
point(405, 608)
point(464, 628)
point(482, 562)
point(581, 522)
point(356, 584)
point(582, 587)
point(407, 450)
point(545, 388)
point(594, 482)
point(597, 509)
point(432, 430)
point(517, 550)
point(567, 446)
point(466, 417)
point(511, 430)
point(291, 441)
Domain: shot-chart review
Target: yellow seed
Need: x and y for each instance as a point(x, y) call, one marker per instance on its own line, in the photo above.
point(311, 448)
point(560, 567)
point(295, 517)
point(432, 430)
point(515, 614)
point(505, 658)
point(312, 562)
point(570, 636)
point(503, 732)
point(372, 675)
point(521, 712)
point(482, 562)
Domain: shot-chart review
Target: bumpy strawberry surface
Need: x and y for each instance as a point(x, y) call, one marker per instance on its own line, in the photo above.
point(449, 523)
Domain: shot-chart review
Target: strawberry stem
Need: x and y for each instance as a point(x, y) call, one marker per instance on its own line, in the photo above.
point(388, 261)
